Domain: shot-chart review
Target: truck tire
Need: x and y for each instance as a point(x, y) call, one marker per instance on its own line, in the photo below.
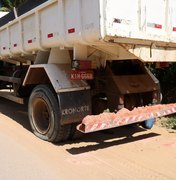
point(44, 115)
point(148, 124)
point(74, 133)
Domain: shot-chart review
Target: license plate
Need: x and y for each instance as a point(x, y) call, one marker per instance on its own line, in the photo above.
point(81, 75)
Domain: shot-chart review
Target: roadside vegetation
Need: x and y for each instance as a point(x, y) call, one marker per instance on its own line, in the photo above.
point(167, 122)
point(171, 122)
point(167, 78)
point(8, 5)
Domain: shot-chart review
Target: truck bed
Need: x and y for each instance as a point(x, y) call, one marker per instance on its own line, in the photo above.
point(95, 22)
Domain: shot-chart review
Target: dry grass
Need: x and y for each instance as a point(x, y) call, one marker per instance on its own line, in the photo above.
point(167, 122)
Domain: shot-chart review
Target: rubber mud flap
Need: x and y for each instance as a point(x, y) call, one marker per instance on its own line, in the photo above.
point(74, 106)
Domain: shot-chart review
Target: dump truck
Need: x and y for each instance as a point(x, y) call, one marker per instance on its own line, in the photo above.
point(82, 65)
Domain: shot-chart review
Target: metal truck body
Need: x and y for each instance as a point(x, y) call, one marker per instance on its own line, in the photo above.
point(99, 23)
point(74, 58)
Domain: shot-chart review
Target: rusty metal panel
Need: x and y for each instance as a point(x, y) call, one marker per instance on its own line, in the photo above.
point(36, 75)
point(135, 84)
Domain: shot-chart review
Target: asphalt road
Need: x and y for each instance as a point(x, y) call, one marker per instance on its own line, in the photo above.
point(121, 153)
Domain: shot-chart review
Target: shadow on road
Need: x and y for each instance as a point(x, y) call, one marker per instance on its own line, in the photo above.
point(97, 140)
point(16, 112)
point(112, 137)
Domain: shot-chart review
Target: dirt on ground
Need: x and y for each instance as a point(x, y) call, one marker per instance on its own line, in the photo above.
point(120, 153)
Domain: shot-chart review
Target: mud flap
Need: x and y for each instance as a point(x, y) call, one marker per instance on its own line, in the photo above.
point(74, 106)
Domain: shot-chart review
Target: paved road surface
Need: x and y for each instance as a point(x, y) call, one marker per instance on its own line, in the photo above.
point(123, 153)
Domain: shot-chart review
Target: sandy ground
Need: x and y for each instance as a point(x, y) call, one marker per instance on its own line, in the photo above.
point(121, 153)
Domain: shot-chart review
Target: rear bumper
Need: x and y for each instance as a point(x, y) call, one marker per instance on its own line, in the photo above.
point(124, 117)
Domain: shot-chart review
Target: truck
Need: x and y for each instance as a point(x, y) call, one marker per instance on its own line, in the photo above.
point(83, 64)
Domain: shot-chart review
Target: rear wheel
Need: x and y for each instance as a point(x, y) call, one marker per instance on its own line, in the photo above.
point(44, 115)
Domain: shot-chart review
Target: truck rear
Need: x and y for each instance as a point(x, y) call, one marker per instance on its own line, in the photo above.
point(76, 58)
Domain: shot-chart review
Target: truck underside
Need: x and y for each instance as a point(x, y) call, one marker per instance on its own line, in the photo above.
point(57, 104)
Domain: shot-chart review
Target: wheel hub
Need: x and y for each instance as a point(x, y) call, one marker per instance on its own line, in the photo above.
point(41, 116)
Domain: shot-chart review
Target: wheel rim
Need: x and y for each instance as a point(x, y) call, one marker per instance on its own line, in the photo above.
point(41, 116)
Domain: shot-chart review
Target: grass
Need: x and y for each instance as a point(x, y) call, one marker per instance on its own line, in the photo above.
point(171, 123)
point(168, 122)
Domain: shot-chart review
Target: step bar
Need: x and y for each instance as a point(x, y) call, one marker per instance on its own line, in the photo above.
point(12, 97)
